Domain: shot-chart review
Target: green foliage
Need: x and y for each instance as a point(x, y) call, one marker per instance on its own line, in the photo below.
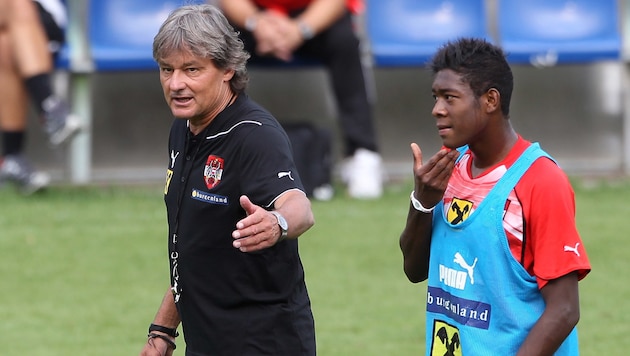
point(84, 270)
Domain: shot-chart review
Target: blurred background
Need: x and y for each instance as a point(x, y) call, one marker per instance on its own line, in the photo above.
point(569, 60)
point(85, 266)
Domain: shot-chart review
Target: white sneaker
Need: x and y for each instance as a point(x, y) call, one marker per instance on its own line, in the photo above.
point(365, 175)
point(59, 123)
point(63, 134)
point(16, 169)
point(324, 192)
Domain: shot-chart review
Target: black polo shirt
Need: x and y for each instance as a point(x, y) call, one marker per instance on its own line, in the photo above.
point(230, 302)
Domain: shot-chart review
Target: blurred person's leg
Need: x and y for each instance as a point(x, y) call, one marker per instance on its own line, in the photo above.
point(13, 113)
point(13, 97)
point(14, 101)
point(29, 42)
point(338, 47)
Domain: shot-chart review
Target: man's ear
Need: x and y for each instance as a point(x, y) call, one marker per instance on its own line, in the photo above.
point(228, 74)
point(492, 100)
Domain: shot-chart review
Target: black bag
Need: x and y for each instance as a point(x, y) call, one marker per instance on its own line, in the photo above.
point(312, 154)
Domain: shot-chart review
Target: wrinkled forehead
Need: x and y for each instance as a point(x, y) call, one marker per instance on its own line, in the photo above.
point(184, 58)
point(181, 52)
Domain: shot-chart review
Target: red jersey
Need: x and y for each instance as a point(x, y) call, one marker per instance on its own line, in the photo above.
point(541, 231)
point(286, 6)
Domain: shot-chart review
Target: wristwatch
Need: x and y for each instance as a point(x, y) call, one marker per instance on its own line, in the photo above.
point(284, 226)
point(305, 30)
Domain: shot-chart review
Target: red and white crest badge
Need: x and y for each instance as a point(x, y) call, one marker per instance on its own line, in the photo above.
point(213, 171)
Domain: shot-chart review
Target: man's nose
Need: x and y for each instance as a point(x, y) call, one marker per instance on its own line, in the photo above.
point(438, 109)
point(177, 80)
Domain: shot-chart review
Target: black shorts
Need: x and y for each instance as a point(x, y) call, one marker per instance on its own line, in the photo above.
point(56, 35)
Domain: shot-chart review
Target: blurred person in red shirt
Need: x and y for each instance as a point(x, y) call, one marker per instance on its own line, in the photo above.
point(323, 30)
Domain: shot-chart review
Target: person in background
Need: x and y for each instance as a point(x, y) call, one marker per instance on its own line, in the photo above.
point(234, 201)
point(491, 223)
point(323, 30)
point(31, 34)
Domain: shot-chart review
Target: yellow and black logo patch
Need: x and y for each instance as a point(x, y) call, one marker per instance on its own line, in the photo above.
point(458, 211)
point(169, 175)
point(445, 340)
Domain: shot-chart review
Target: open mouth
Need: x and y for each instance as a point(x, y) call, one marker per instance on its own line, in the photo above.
point(181, 100)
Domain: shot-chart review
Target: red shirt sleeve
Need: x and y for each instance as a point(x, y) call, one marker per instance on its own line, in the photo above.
point(553, 247)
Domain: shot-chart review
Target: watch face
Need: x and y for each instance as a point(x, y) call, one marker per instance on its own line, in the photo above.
point(281, 221)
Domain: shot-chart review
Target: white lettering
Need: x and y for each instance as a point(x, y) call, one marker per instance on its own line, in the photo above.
point(453, 278)
point(175, 273)
point(484, 315)
point(457, 309)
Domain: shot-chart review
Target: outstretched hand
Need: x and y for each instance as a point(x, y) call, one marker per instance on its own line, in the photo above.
point(431, 178)
point(257, 231)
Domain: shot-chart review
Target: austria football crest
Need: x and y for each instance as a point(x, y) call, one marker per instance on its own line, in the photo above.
point(213, 171)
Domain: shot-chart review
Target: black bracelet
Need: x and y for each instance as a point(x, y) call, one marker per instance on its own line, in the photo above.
point(164, 329)
point(163, 337)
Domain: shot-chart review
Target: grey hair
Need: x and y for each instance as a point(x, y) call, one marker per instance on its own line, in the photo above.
point(205, 32)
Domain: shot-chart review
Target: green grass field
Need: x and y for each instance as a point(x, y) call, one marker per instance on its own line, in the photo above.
point(84, 269)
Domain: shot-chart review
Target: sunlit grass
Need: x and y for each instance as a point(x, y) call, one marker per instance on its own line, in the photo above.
point(84, 269)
